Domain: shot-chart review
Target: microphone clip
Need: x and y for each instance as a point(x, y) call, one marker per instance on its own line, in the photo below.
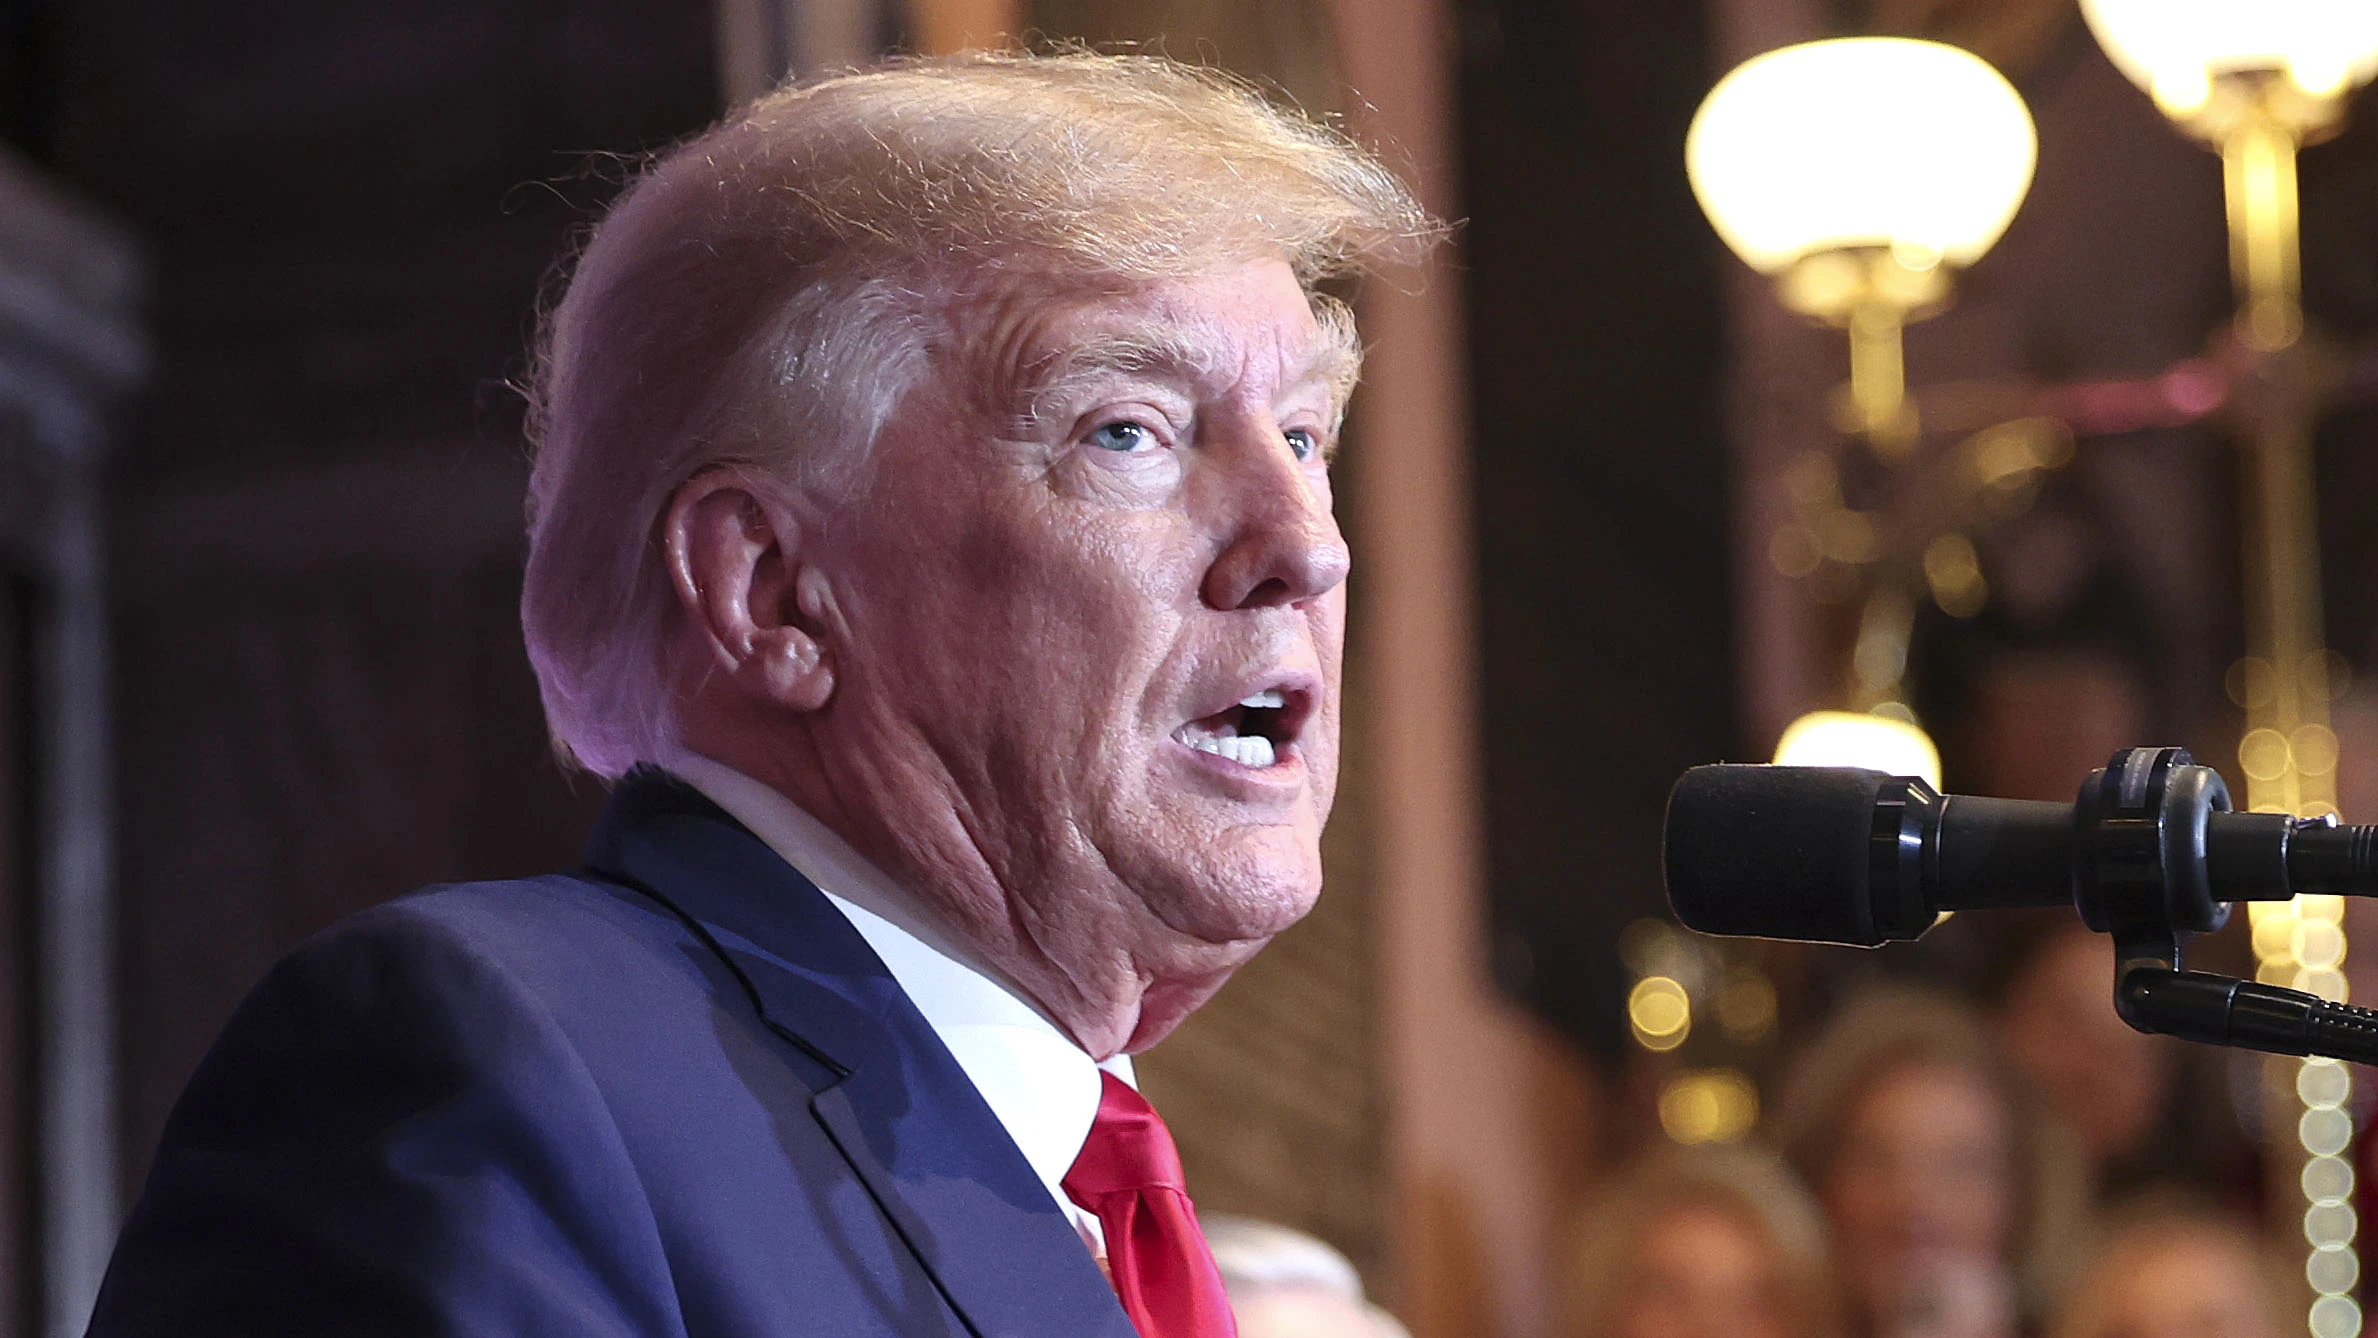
point(2140, 875)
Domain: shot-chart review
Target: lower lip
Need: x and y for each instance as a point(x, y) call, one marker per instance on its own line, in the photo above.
point(1287, 771)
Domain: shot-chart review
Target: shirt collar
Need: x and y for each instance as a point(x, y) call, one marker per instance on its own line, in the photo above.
point(1043, 1088)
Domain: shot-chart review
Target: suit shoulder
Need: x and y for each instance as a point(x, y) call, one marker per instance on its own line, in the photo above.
point(400, 1131)
point(491, 966)
point(556, 930)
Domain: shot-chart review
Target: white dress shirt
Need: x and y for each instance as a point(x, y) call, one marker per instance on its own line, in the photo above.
point(1044, 1088)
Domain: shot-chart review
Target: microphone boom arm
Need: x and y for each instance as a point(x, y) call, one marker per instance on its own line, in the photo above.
point(2146, 861)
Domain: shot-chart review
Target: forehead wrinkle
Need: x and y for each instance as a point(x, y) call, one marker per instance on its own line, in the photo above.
point(1190, 355)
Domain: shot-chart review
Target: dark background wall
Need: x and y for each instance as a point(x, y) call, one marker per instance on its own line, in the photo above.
point(321, 696)
point(1601, 506)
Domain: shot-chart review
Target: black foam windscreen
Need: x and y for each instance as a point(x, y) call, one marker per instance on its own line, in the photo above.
point(1774, 852)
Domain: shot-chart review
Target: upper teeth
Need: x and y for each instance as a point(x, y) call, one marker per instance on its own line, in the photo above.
point(1268, 699)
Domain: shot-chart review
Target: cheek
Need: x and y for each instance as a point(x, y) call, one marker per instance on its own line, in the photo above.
point(1136, 575)
point(1116, 603)
point(1078, 602)
point(1061, 656)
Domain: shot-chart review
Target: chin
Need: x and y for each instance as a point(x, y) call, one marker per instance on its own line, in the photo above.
point(1221, 903)
point(1238, 892)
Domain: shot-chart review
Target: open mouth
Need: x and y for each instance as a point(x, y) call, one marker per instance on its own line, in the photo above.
point(1252, 732)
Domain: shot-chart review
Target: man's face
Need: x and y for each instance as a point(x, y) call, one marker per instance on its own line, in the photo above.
point(1096, 609)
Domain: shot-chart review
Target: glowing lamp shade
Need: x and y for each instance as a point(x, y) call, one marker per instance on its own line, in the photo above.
point(2176, 48)
point(1854, 739)
point(1862, 141)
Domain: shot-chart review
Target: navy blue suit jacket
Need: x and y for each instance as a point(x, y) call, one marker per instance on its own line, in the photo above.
point(674, 1095)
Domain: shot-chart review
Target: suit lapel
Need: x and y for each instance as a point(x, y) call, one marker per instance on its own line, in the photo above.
point(953, 1219)
point(888, 1094)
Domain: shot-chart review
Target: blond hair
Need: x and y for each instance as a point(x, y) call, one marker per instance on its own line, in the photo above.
point(1749, 1185)
point(767, 292)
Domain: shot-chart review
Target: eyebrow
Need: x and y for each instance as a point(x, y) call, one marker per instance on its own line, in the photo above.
point(1171, 352)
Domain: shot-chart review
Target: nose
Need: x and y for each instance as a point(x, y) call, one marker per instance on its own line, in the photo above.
point(1280, 540)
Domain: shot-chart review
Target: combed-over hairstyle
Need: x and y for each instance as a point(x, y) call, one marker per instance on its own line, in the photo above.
point(767, 292)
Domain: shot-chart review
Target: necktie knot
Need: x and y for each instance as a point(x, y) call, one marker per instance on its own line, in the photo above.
point(1129, 1174)
point(1129, 1149)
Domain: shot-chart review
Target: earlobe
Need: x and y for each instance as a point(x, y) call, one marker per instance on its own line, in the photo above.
point(792, 667)
point(734, 556)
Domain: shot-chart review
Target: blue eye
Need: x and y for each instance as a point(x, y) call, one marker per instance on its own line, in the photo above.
point(1122, 435)
point(1301, 443)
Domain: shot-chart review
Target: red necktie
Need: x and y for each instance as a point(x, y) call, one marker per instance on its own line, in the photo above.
point(1130, 1175)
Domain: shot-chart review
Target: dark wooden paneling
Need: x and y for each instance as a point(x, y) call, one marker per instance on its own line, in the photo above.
point(1601, 497)
point(325, 739)
point(350, 204)
point(350, 207)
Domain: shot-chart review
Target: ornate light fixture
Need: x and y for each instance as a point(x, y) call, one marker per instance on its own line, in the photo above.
point(2256, 81)
point(1861, 174)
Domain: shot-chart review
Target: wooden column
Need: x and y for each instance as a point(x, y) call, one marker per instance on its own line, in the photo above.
point(1464, 1070)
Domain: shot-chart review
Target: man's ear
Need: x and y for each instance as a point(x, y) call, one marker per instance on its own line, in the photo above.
point(734, 545)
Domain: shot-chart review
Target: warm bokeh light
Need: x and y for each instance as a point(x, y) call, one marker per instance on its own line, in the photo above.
point(2176, 48)
point(1708, 1106)
point(1660, 1012)
point(1861, 142)
point(1746, 1007)
point(1856, 739)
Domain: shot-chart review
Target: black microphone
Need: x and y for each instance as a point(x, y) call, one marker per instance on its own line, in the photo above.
point(2149, 853)
point(1843, 855)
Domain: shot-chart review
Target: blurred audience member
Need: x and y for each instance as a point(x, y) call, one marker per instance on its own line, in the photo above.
point(1286, 1284)
point(2176, 1270)
point(1947, 1202)
point(1701, 1243)
point(2144, 1109)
